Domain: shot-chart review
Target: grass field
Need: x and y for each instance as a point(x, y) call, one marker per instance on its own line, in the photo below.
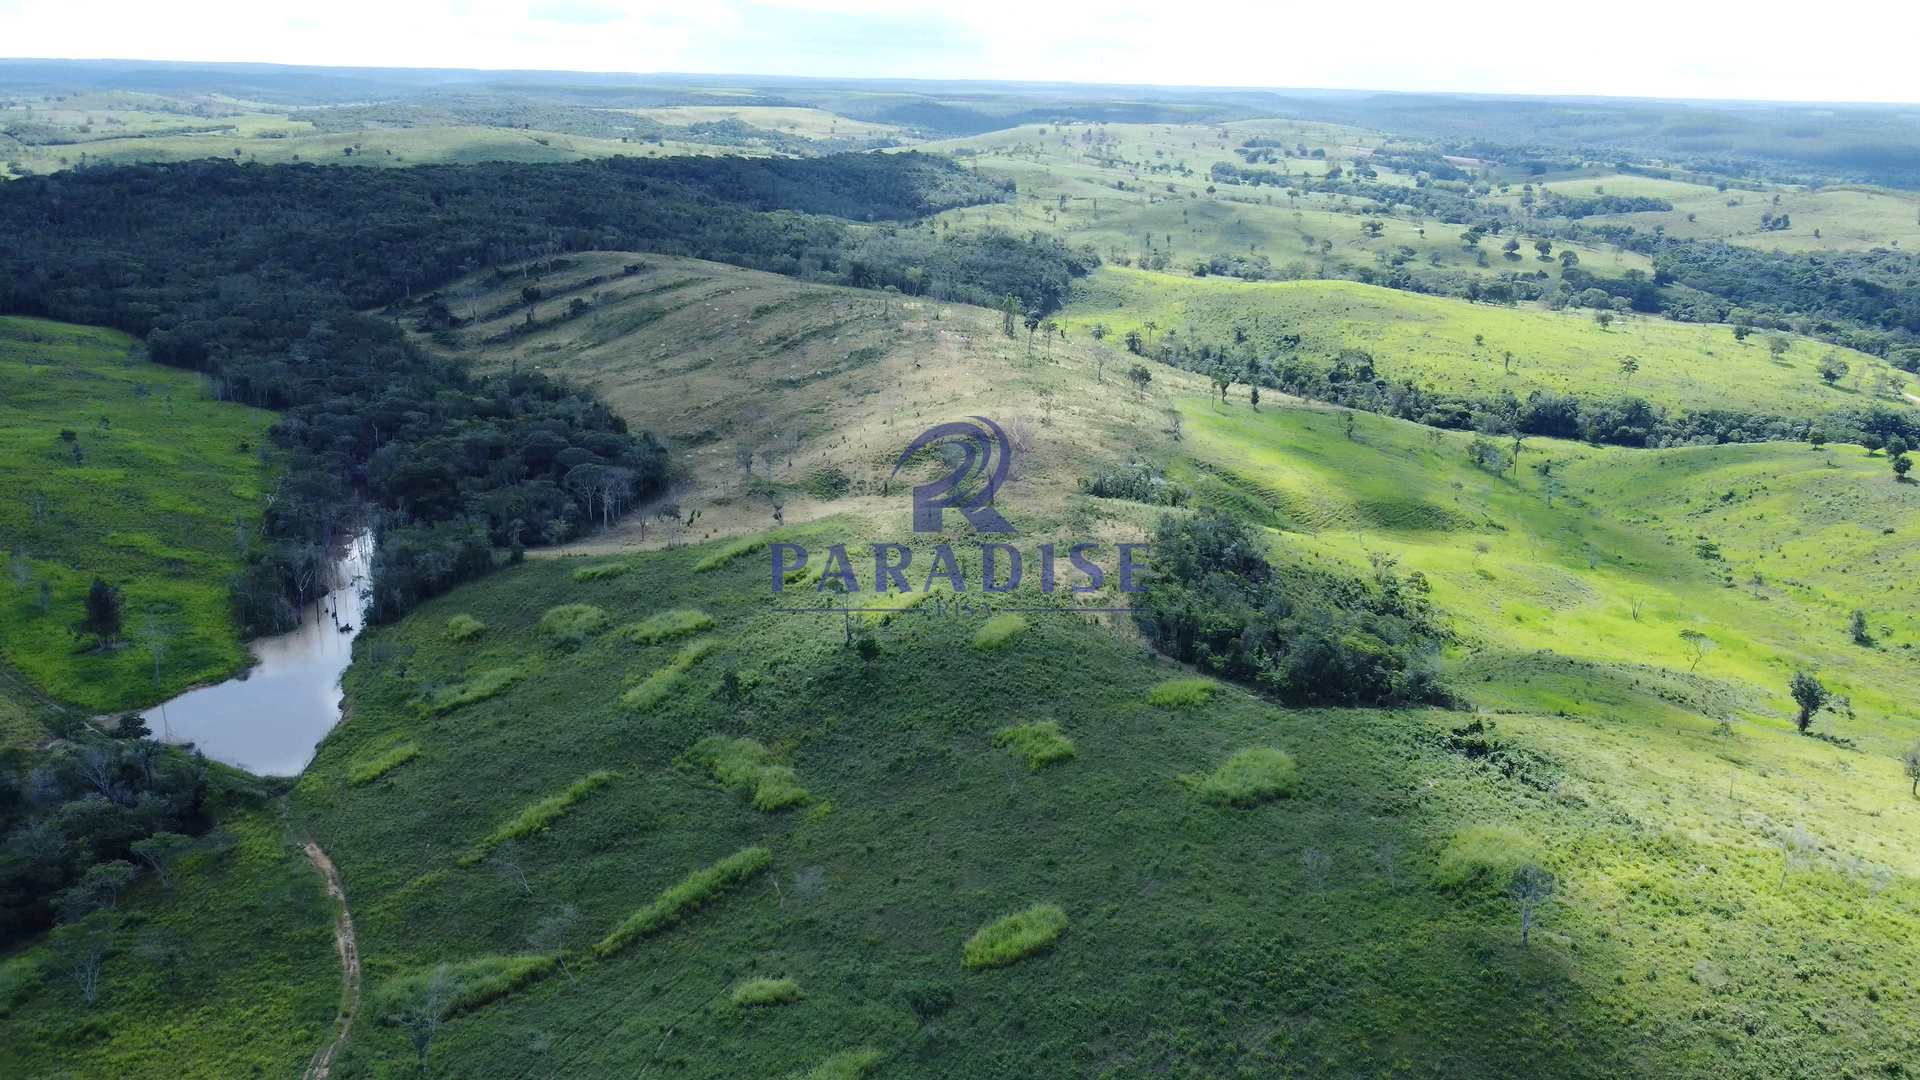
point(230, 972)
point(150, 493)
point(1847, 217)
point(1460, 347)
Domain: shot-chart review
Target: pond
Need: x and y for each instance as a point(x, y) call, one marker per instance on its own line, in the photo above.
point(268, 719)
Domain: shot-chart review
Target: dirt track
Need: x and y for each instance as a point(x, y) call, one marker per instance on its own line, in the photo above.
point(349, 949)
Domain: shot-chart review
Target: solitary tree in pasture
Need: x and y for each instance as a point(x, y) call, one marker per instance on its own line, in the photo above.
point(1777, 346)
point(1141, 379)
point(1531, 888)
point(1603, 319)
point(1832, 369)
point(1628, 365)
point(103, 613)
point(549, 935)
point(507, 862)
point(424, 1010)
point(1902, 465)
point(1222, 382)
point(1857, 628)
point(1911, 761)
point(1698, 646)
point(1810, 695)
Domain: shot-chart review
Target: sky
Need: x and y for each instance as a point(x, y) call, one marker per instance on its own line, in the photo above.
point(1840, 50)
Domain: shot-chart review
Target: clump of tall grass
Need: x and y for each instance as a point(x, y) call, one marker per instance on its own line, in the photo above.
point(600, 571)
point(1484, 854)
point(1041, 744)
point(369, 771)
point(1250, 777)
point(570, 625)
point(478, 688)
point(649, 691)
point(685, 896)
point(1015, 937)
point(755, 992)
point(468, 984)
point(845, 1065)
point(745, 765)
point(666, 624)
point(1187, 693)
point(739, 548)
point(539, 815)
point(465, 627)
point(998, 630)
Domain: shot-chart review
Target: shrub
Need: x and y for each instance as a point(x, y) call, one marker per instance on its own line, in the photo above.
point(570, 625)
point(998, 630)
point(1252, 776)
point(600, 571)
point(666, 624)
point(539, 815)
point(475, 983)
point(1139, 482)
point(767, 992)
point(737, 549)
point(368, 772)
point(1041, 744)
point(1181, 693)
point(828, 482)
point(1484, 854)
point(655, 687)
point(1015, 937)
point(465, 628)
point(846, 1065)
point(478, 688)
point(685, 896)
point(745, 765)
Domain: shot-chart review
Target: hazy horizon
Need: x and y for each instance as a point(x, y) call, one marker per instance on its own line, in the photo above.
point(1636, 49)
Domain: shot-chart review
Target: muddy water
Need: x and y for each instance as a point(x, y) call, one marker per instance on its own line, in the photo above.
point(268, 719)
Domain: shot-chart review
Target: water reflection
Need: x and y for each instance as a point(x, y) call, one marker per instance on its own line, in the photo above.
point(269, 719)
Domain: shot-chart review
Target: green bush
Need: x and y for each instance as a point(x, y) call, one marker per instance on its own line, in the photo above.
point(1041, 744)
point(478, 688)
point(651, 690)
point(368, 772)
point(465, 628)
point(475, 983)
point(539, 815)
point(767, 992)
point(684, 896)
point(1484, 854)
point(600, 571)
point(1015, 937)
point(828, 482)
point(846, 1065)
point(745, 765)
point(1252, 776)
point(572, 624)
point(737, 549)
point(1181, 693)
point(666, 624)
point(998, 630)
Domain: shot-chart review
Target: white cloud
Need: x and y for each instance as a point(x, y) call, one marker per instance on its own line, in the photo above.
point(1846, 50)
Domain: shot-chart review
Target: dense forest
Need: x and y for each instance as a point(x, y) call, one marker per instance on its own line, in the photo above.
point(262, 278)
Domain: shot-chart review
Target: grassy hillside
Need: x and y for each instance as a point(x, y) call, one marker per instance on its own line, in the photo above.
point(1461, 347)
point(228, 972)
point(1343, 930)
point(821, 386)
point(1134, 190)
point(151, 493)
